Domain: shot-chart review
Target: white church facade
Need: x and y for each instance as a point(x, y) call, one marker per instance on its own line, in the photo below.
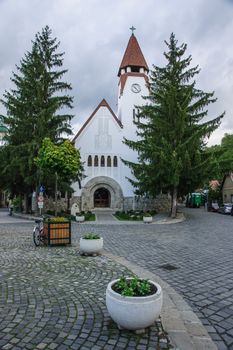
point(99, 140)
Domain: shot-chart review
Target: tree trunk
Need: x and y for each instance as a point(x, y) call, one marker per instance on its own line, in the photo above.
point(174, 203)
point(55, 193)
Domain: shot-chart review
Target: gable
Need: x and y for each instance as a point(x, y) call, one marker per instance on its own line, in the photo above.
point(228, 183)
point(102, 111)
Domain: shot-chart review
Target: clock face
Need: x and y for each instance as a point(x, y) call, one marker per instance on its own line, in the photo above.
point(136, 88)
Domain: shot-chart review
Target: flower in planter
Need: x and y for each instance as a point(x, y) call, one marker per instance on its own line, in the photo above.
point(56, 219)
point(134, 303)
point(133, 287)
point(91, 236)
point(91, 244)
point(147, 215)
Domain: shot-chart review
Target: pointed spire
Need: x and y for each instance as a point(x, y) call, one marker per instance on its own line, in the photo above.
point(133, 56)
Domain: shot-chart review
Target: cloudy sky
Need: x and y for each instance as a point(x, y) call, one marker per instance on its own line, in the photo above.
point(94, 35)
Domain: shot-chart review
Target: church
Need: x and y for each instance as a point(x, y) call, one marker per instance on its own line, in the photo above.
point(99, 140)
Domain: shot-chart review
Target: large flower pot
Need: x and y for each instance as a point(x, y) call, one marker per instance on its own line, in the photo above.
point(134, 313)
point(91, 246)
point(80, 218)
point(57, 232)
point(147, 219)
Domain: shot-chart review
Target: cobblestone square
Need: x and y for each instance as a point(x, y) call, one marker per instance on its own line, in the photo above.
point(53, 298)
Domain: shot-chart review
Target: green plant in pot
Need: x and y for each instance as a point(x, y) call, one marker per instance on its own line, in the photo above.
point(80, 217)
point(91, 244)
point(134, 303)
point(147, 217)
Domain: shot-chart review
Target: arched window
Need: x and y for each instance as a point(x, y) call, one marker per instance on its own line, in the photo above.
point(102, 161)
point(96, 161)
point(89, 161)
point(109, 163)
point(115, 161)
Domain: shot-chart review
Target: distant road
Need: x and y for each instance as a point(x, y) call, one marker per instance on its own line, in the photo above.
point(6, 219)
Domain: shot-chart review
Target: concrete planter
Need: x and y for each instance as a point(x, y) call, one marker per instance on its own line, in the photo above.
point(147, 219)
point(80, 218)
point(134, 313)
point(91, 246)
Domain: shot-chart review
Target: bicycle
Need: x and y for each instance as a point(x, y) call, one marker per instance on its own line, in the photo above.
point(38, 233)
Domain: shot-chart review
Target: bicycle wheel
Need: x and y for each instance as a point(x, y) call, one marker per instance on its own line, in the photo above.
point(36, 236)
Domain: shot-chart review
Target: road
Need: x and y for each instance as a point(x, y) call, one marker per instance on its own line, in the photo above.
point(195, 257)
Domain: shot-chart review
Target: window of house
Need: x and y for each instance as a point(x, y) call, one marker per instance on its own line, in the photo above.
point(135, 115)
point(115, 161)
point(109, 162)
point(89, 161)
point(96, 161)
point(102, 161)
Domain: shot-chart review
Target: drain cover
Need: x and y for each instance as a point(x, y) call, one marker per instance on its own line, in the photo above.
point(168, 267)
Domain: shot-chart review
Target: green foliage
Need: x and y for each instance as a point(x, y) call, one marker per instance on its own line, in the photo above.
point(56, 219)
point(133, 215)
point(172, 135)
point(63, 159)
point(215, 195)
point(91, 236)
point(34, 111)
point(147, 215)
point(133, 287)
point(221, 158)
point(89, 216)
point(17, 203)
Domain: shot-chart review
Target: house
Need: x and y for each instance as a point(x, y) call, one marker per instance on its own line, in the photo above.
point(227, 188)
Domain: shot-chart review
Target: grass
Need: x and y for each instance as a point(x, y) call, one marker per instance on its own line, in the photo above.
point(131, 215)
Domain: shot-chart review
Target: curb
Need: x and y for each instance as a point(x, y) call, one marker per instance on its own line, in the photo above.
point(185, 330)
point(166, 221)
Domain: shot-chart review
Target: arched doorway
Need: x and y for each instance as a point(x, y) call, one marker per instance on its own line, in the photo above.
point(102, 198)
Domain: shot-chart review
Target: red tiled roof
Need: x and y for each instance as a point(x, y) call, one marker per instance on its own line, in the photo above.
point(133, 55)
point(103, 103)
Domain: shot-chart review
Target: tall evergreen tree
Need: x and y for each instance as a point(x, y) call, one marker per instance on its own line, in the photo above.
point(36, 108)
point(172, 135)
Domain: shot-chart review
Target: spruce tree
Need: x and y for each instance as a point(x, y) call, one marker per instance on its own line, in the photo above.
point(36, 108)
point(171, 132)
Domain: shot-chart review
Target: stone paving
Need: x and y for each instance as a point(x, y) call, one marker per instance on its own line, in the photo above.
point(53, 298)
point(195, 257)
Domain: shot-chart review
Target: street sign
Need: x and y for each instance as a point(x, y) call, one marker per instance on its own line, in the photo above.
point(40, 198)
point(40, 205)
point(41, 188)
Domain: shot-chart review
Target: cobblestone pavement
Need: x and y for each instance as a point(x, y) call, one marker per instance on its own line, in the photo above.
point(53, 298)
point(195, 257)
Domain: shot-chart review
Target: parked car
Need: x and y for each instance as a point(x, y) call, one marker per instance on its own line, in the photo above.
point(226, 208)
point(213, 207)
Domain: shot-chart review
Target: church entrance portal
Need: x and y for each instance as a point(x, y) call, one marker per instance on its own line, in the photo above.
point(102, 198)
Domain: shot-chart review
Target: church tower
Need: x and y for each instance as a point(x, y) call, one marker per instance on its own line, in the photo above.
point(133, 79)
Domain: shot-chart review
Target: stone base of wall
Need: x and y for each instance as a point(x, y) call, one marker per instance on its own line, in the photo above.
point(162, 203)
point(49, 204)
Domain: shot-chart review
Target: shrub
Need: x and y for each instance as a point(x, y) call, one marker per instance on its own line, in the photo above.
point(56, 219)
point(133, 287)
point(91, 236)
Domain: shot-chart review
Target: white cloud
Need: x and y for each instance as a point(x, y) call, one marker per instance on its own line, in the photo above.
point(94, 35)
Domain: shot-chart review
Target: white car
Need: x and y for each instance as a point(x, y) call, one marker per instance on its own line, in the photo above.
point(225, 208)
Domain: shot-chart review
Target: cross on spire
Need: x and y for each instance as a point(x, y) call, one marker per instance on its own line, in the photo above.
point(133, 29)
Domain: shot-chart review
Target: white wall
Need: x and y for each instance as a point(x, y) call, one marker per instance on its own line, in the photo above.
point(103, 136)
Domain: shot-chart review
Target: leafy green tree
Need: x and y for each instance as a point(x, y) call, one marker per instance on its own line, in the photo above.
point(62, 160)
point(171, 132)
point(221, 158)
point(36, 108)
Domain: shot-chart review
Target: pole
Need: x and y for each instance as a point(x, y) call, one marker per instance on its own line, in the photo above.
point(55, 193)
